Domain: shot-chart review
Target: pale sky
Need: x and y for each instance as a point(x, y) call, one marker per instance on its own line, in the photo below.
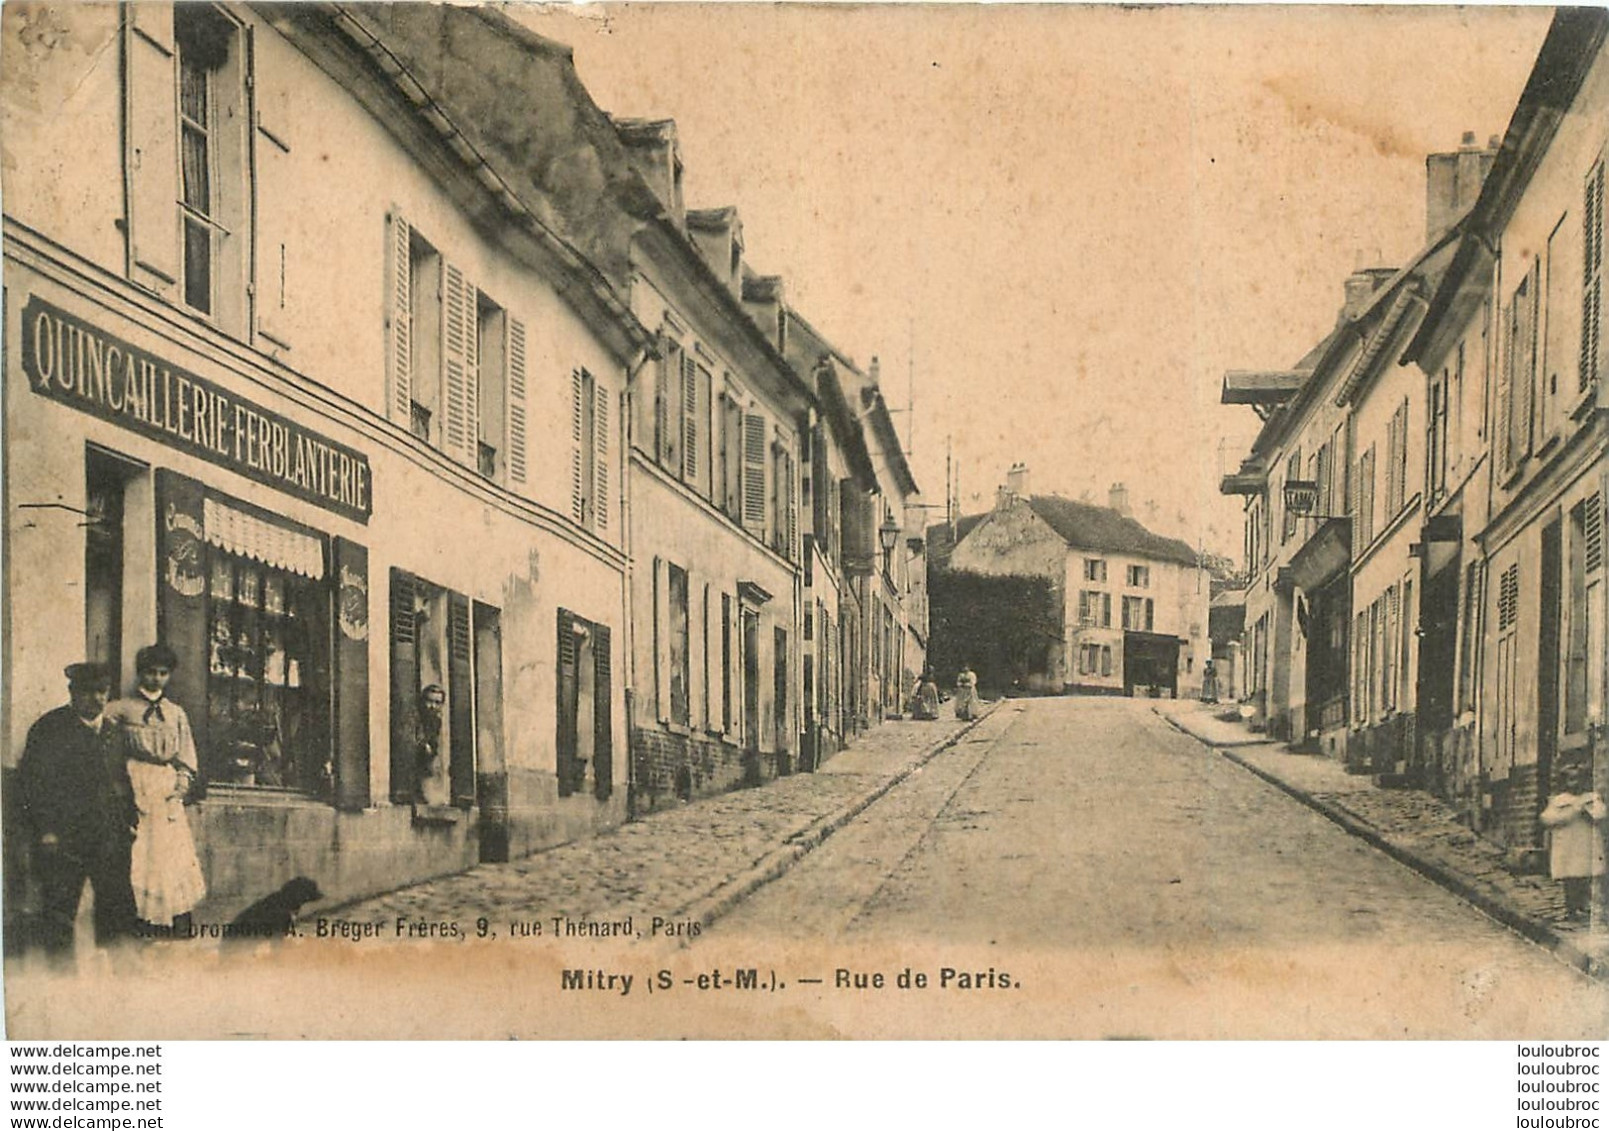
point(1059, 225)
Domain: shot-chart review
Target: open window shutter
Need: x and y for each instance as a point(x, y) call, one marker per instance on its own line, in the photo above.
point(460, 701)
point(577, 495)
point(565, 744)
point(1592, 278)
point(754, 474)
point(278, 188)
point(661, 641)
point(600, 458)
point(603, 734)
point(1507, 374)
point(404, 686)
point(516, 400)
point(458, 358)
point(153, 147)
point(790, 495)
point(351, 569)
point(689, 419)
point(399, 321)
point(1528, 358)
point(668, 365)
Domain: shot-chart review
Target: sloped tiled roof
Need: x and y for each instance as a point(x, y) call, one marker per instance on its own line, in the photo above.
point(1083, 526)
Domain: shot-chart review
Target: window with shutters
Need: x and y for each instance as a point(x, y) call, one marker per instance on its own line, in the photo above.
point(456, 360)
point(1517, 380)
point(1397, 461)
point(755, 434)
point(1585, 641)
point(677, 661)
point(784, 522)
point(730, 487)
point(726, 663)
point(1506, 722)
point(1138, 613)
point(424, 355)
point(1470, 635)
point(1590, 364)
point(1138, 576)
point(491, 392)
point(1557, 367)
point(438, 637)
point(585, 731)
point(213, 186)
point(668, 406)
point(1363, 502)
point(590, 460)
point(1094, 609)
point(1436, 436)
point(1094, 569)
point(1293, 470)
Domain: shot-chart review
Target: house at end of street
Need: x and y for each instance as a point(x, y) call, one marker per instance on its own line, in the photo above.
point(1124, 609)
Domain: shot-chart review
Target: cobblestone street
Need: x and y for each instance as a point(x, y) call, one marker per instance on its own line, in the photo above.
point(668, 864)
point(1424, 829)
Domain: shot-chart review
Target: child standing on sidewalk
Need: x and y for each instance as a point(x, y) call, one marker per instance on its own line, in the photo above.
point(1575, 840)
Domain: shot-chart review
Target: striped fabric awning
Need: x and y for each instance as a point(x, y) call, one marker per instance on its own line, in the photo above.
point(268, 542)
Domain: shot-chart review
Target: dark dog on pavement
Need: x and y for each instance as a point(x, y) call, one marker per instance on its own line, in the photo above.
point(273, 916)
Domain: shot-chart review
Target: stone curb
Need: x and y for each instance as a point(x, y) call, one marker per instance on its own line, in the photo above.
point(1535, 930)
point(734, 889)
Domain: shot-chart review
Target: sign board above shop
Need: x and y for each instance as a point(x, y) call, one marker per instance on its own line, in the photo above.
point(70, 361)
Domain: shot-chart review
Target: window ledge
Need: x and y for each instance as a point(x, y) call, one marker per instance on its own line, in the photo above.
point(1547, 445)
point(438, 816)
point(263, 796)
point(1585, 403)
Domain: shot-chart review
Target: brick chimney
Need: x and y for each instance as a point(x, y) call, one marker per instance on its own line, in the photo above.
point(1118, 499)
point(1017, 480)
point(1360, 287)
point(1453, 181)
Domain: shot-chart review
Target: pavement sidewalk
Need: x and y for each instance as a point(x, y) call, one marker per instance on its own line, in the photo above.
point(1414, 827)
point(691, 863)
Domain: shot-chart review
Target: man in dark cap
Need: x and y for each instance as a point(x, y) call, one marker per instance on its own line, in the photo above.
point(79, 811)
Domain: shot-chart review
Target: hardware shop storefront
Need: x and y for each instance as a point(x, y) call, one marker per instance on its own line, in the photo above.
point(153, 491)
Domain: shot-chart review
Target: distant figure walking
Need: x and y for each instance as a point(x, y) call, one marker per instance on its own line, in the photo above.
point(925, 703)
point(966, 695)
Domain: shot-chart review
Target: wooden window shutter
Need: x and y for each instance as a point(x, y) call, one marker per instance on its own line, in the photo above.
point(351, 730)
point(277, 188)
point(1592, 534)
point(1592, 277)
point(754, 474)
point(670, 352)
point(152, 139)
point(565, 737)
point(404, 686)
point(689, 414)
point(1528, 375)
point(577, 490)
point(706, 458)
point(459, 362)
point(1505, 391)
point(661, 640)
point(603, 733)
point(600, 461)
point(516, 400)
point(460, 701)
point(792, 497)
point(399, 320)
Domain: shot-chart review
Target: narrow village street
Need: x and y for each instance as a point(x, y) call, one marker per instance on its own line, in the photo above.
point(1091, 827)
